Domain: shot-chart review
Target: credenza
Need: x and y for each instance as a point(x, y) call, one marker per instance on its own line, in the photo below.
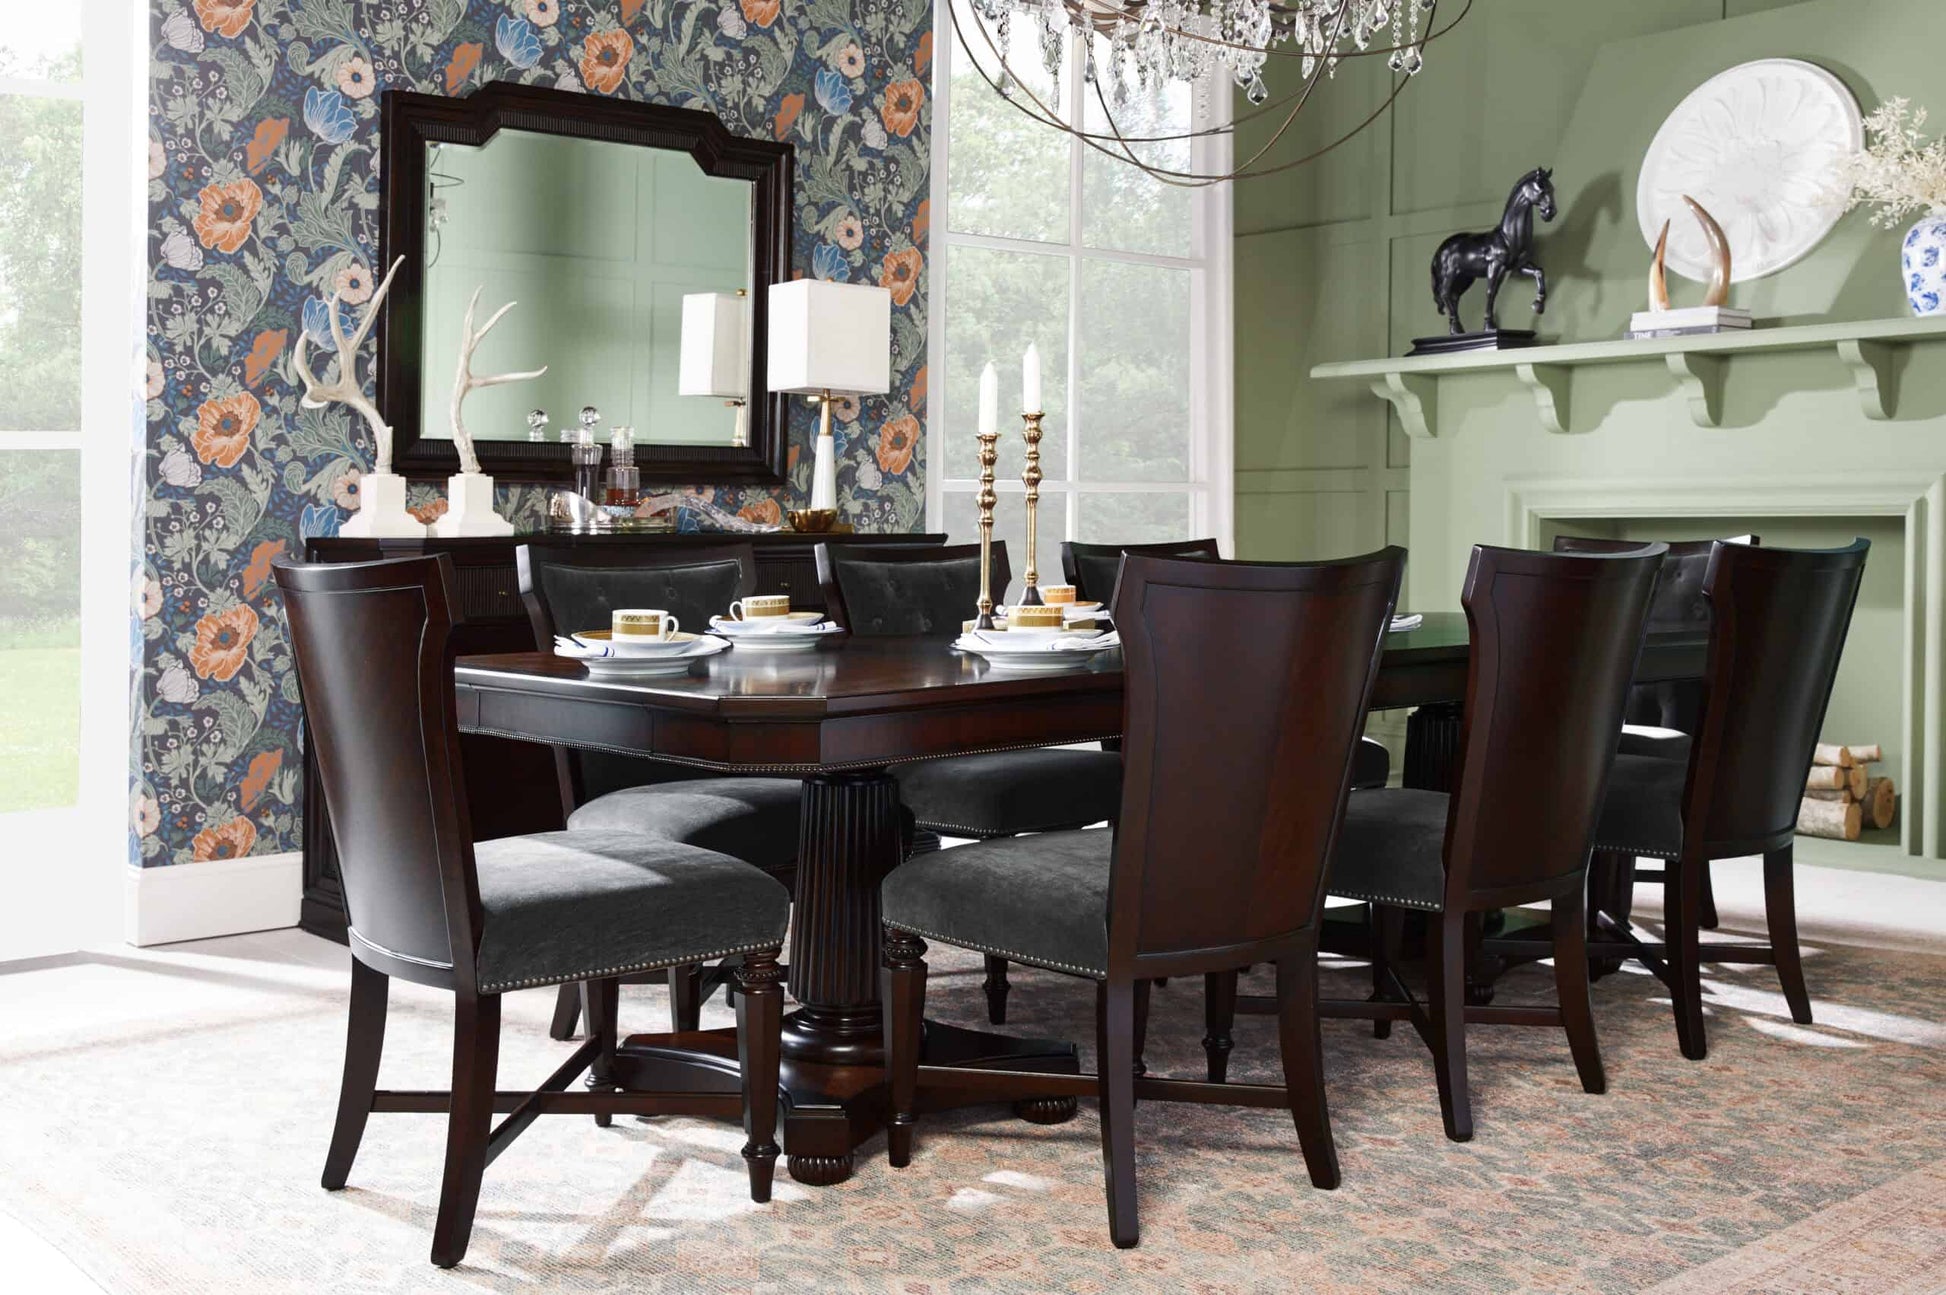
point(511, 786)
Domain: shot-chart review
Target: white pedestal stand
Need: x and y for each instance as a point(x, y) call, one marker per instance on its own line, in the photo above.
point(469, 509)
point(381, 511)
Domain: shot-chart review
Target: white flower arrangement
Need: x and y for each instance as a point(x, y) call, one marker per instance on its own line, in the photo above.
point(1899, 170)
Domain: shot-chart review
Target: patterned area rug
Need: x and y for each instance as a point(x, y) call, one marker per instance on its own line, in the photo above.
point(169, 1138)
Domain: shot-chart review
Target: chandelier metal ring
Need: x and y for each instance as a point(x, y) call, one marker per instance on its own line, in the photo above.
point(1190, 53)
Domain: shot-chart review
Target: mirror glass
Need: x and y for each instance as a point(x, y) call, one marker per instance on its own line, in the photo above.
point(599, 243)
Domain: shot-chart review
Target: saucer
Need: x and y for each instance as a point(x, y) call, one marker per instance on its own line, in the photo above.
point(700, 647)
point(638, 649)
point(790, 623)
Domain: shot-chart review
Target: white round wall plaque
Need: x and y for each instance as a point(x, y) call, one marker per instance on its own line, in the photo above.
point(1754, 145)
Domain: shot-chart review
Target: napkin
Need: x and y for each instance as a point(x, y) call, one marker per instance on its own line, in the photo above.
point(565, 645)
point(1407, 621)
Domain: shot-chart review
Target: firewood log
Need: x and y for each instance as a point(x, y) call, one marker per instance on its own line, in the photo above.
point(1825, 753)
point(1880, 803)
point(1856, 777)
point(1866, 754)
point(1837, 820)
point(1827, 793)
point(1826, 777)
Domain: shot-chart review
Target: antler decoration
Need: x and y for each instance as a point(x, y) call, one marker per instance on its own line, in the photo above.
point(1718, 291)
point(464, 381)
point(346, 389)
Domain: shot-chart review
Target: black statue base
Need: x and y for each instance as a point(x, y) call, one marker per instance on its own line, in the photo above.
point(1489, 339)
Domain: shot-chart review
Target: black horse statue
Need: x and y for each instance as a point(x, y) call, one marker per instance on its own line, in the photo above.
point(1508, 249)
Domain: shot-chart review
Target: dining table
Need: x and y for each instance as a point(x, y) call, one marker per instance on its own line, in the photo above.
point(839, 718)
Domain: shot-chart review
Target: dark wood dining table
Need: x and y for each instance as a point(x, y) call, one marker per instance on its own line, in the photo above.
point(838, 718)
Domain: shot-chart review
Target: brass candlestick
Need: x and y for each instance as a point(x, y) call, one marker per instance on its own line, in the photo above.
point(1030, 477)
point(986, 499)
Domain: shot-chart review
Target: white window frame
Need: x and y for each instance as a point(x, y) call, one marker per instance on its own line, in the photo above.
point(61, 867)
point(1211, 481)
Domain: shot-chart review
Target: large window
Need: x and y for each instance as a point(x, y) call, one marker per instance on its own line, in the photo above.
point(68, 182)
point(1121, 280)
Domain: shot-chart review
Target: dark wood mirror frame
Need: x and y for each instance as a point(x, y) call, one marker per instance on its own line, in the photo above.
point(412, 121)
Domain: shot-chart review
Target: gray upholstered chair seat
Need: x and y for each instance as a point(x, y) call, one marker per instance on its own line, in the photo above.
point(1643, 811)
point(1665, 743)
point(1042, 900)
point(560, 906)
point(1008, 792)
point(1390, 849)
point(752, 819)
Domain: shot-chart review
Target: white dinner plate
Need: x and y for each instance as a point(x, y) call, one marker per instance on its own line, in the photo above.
point(648, 667)
point(1037, 653)
point(795, 623)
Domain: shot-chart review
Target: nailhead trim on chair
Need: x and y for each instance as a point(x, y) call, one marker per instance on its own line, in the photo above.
point(1650, 852)
point(501, 987)
point(1008, 954)
point(1394, 900)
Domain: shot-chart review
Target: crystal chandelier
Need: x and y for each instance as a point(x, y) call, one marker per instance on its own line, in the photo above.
point(1141, 46)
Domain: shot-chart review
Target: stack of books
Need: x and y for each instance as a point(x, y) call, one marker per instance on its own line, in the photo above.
point(1687, 322)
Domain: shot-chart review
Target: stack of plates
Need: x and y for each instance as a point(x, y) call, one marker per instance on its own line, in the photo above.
point(1039, 651)
point(673, 655)
point(797, 632)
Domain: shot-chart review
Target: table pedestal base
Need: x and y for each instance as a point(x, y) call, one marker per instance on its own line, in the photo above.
point(829, 1110)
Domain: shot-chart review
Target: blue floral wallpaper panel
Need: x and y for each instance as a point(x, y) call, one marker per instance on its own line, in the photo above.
point(264, 188)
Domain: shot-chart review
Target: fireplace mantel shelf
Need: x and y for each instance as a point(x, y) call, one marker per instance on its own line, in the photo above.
point(1867, 349)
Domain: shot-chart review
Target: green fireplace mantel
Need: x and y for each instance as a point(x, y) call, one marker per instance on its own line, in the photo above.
point(1869, 350)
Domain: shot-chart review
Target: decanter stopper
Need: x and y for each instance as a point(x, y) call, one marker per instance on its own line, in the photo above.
point(537, 425)
point(590, 417)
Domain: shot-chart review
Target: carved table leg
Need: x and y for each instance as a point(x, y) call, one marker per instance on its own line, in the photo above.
point(832, 1077)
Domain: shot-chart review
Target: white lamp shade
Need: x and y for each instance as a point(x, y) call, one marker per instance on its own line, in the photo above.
point(828, 336)
point(713, 361)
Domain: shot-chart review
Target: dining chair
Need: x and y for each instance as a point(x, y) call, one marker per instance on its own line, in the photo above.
point(430, 905)
point(1662, 715)
point(1093, 568)
point(1237, 761)
point(1554, 639)
point(1778, 621)
point(571, 587)
point(931, 591)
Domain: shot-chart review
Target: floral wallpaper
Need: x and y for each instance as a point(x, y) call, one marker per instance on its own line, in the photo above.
point(263, 173)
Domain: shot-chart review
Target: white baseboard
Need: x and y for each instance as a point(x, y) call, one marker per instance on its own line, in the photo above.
point(199, 901)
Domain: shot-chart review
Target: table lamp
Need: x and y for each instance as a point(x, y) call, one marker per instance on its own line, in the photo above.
point(829, 339)
point(714, 360)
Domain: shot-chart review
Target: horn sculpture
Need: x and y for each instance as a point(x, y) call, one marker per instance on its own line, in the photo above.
point(1718, 292)
point(346, 389)
point(465, 382)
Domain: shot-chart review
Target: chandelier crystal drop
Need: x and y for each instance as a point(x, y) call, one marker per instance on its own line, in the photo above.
point(1131, 47)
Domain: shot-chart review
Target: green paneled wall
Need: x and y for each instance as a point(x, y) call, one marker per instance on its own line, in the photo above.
point(1331, 257)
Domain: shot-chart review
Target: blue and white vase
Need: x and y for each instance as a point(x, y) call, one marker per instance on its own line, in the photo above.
point(1923, 257)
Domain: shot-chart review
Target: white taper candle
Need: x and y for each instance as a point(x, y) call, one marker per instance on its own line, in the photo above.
point(989, 400)
point(1030, 380)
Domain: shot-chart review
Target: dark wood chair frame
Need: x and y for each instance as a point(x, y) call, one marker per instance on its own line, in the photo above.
point(472, 1140)
point(1285, 888)
point(1679, 551)
point(691, 986)
point(1480, 839)
point(1071, 569)
point(1732, 817)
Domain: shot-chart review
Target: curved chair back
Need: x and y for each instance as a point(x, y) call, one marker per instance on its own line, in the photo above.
point(1778, 624)
point(1246, 686)
point(926, 590)
point(1092, 568)
point(1677, 606)
point(1555, 639)
point(370, 640)
point(572, 587)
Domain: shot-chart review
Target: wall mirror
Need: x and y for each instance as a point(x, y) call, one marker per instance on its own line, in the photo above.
point(601, 218)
